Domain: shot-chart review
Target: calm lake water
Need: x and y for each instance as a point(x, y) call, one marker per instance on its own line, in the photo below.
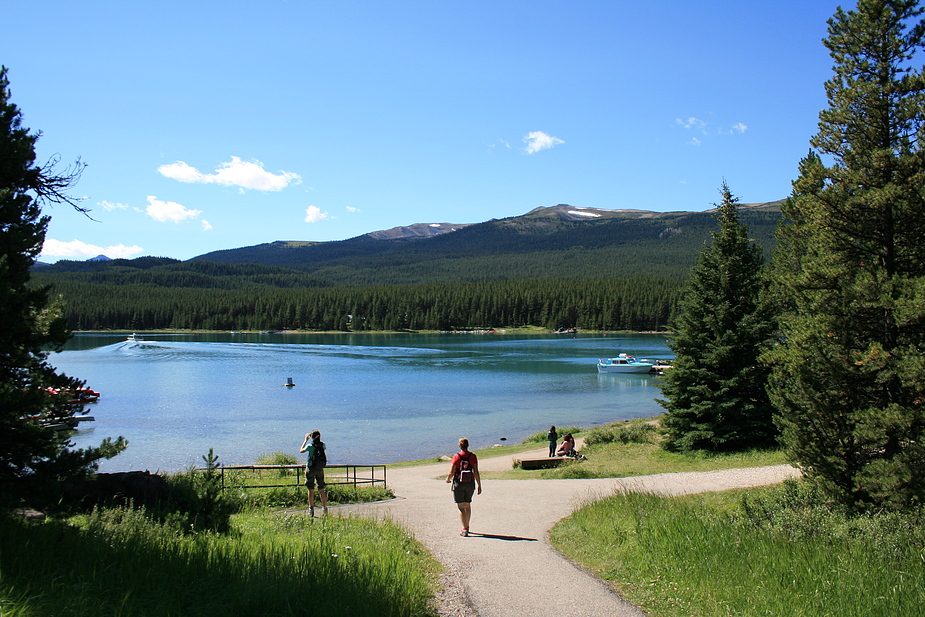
point(376, 398)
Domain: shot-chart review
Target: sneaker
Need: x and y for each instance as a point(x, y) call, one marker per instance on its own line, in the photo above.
point(464, 533)
point(311, 511)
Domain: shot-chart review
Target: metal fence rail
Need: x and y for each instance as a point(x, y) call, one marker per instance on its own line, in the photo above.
point(355, 475)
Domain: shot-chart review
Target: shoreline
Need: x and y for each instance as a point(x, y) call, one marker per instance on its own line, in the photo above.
point(520, 330)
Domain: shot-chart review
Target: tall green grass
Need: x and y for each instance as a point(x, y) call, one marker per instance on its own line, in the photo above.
point(776, 551)
point(119, 562)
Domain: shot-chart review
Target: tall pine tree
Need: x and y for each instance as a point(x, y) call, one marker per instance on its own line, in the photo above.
point(715, 394)
point(849, 378)
point(29, 325)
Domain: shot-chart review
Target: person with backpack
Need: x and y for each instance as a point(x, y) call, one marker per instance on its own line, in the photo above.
point(464, 474)
point(314, 470)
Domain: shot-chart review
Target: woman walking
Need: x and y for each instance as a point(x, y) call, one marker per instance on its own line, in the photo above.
point(464, 474)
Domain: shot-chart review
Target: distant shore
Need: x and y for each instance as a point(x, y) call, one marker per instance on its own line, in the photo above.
point(489, 331)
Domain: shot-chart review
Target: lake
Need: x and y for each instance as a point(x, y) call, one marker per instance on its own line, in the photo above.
point(376, 398)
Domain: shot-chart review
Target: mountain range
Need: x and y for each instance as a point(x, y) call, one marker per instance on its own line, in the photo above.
point(556, 242)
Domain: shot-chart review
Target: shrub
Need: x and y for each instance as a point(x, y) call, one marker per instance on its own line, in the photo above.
point(196, 501)
point(541, 436)
point(798, 510)
point(640, 431)
point(279, 458)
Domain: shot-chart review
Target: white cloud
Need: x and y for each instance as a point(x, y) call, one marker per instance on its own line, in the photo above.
point(538, 140)
point(352, 209)
point(206, 226)
point(109, 206)
point(182, 172)
point(243, 174)
point(694, 142)
point(696, 124)
point(169, 211)
point(693, 123)
point(313, 214)
point(76, 248)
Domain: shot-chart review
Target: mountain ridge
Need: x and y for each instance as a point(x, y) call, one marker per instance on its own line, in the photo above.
point(540, 216)
point(548, 242)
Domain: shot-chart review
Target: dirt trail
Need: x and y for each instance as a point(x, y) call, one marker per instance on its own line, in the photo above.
point(506, 567)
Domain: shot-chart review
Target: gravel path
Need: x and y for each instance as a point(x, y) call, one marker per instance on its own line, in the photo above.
point(506, 567)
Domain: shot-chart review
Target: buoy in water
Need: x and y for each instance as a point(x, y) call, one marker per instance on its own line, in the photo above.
point(289, 383)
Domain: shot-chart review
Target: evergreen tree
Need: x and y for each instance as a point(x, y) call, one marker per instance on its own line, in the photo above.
point(715, 393)
point(29, 324)
point(849, 377)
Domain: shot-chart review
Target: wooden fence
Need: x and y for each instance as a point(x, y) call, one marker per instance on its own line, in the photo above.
point(281, 476)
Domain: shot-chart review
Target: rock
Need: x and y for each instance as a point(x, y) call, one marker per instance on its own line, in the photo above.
point(29, 514)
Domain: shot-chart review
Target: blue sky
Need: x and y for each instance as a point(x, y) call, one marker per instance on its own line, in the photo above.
point(213, 125)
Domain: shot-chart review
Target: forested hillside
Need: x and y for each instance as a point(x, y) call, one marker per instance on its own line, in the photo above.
point(556, 267)
point(623, 304)
point(164, 272)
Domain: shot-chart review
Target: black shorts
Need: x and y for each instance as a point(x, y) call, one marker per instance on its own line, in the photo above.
point(315, 475)
point(463, 491)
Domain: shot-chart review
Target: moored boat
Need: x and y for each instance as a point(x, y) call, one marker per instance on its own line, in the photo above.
point(624, 364)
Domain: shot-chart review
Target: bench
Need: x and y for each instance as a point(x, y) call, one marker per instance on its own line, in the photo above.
point(541, 463)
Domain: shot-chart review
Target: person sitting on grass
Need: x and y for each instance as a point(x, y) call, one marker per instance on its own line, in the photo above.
point(567, 447)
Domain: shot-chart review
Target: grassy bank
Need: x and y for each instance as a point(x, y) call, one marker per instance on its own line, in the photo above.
point(200, 550)
point(625, 449)
point(120, 562)
point(625, 460)
point(768, 551)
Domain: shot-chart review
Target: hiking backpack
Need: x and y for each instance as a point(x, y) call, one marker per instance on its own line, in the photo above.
point(465, 473)
point(319, 458)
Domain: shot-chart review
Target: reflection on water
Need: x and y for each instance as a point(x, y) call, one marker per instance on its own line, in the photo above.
point(377, 398)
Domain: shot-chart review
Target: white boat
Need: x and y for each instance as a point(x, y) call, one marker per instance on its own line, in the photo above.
point(133, 338)
point(624, 364)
